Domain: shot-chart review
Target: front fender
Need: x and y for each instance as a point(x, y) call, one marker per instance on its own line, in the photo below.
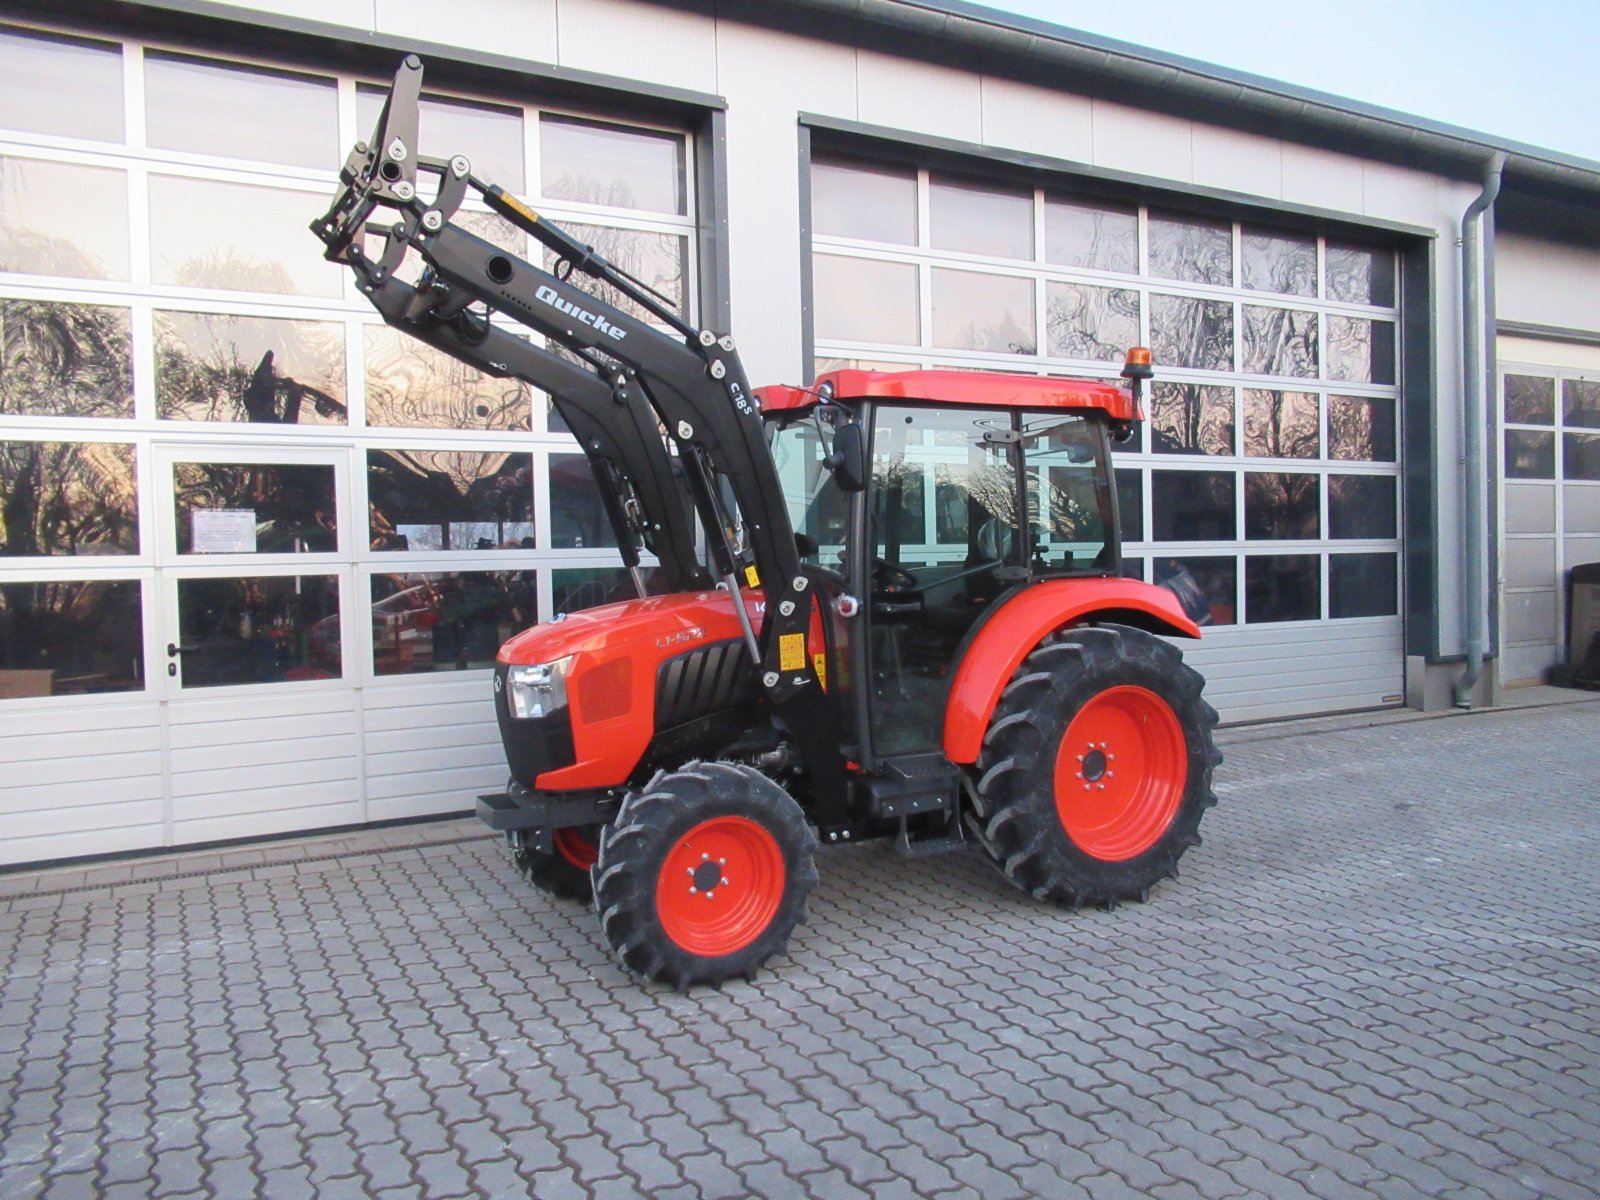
point(1010, 633)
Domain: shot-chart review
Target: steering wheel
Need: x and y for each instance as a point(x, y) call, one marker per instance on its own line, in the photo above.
point(894, 577)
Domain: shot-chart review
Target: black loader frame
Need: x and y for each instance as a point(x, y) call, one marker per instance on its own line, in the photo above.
point(690, 379)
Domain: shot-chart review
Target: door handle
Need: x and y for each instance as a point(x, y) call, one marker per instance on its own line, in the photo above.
point(173, 649)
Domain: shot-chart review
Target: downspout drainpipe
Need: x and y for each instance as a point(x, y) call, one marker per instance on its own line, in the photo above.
point(1475, 589)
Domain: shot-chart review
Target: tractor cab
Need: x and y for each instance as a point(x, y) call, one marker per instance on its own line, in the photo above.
point(966, 489)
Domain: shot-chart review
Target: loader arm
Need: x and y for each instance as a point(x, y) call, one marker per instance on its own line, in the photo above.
point(613, 424)
point(693, 380)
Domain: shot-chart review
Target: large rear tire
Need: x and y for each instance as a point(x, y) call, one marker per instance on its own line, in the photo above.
point(564, 872)
point(1096, 767)
point(704, 874)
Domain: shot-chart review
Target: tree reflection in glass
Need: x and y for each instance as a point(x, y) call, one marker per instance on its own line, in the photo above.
point(1580, 403)
point(62, 498)
point(262, 370)
point(1360, 351)
point(1090, 322)
point(293, 505)
point(63, 219)
point(655, 259)
point(1278, 262)
point(1281, 505)
point(1530, 399)
point(205, 233)
point(1361, 429)
point(1360, 275)
point(422, 500)
point(1191, 418)
point(65, 360)
point(1280, 424)
point(1098, 237)
point(1186, 332)
point(413, 385)
point(1279, 341)
point(1195, 251)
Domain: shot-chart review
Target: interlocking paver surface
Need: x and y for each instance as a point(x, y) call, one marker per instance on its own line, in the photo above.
point(1379, 975)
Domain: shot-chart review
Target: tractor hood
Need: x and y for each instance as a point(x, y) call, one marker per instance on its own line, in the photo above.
point(618, 665)
point(663, 625)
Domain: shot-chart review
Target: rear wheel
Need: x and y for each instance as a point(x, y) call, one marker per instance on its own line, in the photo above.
point(704, 874)
point(564, 872)
point(1097, 767)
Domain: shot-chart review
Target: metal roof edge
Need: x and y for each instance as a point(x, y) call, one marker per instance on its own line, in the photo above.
point(957, 32)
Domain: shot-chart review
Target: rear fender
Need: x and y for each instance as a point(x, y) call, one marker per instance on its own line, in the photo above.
point(1020, 623)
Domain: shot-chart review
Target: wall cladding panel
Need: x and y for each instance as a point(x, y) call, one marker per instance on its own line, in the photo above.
point(517, 28)
point(919, 98)
point(1021, 117)
point(1237, 162)
point(639, 41)
point(1543, 283)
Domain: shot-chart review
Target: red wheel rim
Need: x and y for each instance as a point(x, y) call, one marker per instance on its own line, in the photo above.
point(720, 886)
point(576, 847)
point(1120, 773)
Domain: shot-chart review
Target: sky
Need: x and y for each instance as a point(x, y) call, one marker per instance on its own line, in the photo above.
point(1525, 70)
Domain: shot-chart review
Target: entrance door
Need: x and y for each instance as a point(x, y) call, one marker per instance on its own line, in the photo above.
point(255, 546)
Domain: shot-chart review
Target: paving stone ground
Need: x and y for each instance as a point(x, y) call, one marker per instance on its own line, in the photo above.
point(1379, 976)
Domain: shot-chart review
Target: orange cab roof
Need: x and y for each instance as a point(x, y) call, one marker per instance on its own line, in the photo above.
point(980, 389)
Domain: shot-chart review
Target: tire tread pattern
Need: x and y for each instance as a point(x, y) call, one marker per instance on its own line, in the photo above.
point(1013, 797)
point(649, 823)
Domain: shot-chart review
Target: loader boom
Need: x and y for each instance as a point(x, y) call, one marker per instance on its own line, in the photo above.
point(692, 379)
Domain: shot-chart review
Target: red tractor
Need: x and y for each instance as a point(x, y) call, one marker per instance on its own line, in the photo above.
point(904, 617)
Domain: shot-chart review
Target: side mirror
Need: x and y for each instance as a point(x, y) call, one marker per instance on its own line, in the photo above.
point(848, 462)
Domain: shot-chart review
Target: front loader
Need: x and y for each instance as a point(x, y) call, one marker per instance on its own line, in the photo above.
point(904, 616)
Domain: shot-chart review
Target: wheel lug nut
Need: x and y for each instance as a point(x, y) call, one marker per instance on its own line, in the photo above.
point(694, 891)
point(722, 862)
point(711, 895)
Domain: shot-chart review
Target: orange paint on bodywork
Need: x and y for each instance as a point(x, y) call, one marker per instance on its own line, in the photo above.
point(613, 718)
point(1027, 619)
point(963, 388)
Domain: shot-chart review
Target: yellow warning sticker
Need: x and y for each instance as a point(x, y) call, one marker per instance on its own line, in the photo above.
point(792, 652)
point(819, 664)
point(753, 580)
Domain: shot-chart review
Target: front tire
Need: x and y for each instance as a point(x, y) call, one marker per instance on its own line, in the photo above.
point(564, 872)
point(703, 875)
point(1096, 768)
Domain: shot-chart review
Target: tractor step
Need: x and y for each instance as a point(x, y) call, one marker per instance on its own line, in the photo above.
point(950, 839)
point(917, 783)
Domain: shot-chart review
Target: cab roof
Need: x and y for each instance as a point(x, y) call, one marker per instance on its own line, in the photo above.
point(977, 389)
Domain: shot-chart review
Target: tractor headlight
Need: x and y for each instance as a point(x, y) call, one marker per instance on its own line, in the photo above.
point(539, 689)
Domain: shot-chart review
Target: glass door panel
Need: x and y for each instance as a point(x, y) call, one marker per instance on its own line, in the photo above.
point(254, 557)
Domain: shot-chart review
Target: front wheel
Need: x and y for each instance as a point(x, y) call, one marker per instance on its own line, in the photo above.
point(704, 874)
point(1096, 768)
point(564, 872)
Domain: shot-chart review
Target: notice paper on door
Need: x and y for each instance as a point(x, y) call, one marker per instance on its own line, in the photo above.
point(222, 531)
